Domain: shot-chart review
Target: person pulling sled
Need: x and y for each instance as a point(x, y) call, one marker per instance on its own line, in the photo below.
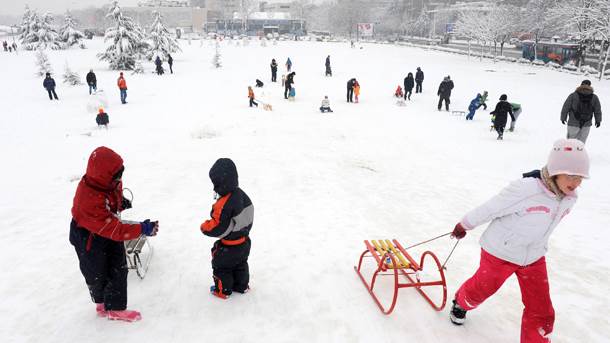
point(523, 216)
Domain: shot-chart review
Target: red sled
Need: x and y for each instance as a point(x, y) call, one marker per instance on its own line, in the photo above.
point(392, 259)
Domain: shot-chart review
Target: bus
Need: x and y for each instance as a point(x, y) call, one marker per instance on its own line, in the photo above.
point(560, 53)
point(320, 35)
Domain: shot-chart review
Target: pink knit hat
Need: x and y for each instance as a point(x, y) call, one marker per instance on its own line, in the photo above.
point(568, 157)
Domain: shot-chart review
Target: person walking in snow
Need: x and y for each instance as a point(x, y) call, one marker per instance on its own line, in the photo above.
point(503, 109)
point(288, 64)
point(273, 70)
point(350, 90)
point(170, 62)
point(444, 92)
point(523, 217)
point(408, 83)
point(231, 222)
point(579, 109)
point(251, 96)
point(325, 106)
point(288, 84)
point(474, 104)
point(102, 118)
point(419, 80)
point(49, 85)
point(5, 45)
point(516, 112)
point(91, 81)
point(328, 72)
point(483, 100)
point(97, 234)
point(122, 84)
point(356, 90)
point(159, 66)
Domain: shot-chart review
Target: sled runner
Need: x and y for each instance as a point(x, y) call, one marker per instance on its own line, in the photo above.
point(134, 255)
point(458, 113)
point(391, 259)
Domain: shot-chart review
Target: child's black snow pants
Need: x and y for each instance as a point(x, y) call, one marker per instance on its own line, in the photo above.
point(230, 266)
point(104, 266)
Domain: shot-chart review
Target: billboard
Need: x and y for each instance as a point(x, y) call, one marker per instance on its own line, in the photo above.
point(365, 29)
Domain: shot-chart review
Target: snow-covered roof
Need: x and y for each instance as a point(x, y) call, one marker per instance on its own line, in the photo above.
point(264, 16)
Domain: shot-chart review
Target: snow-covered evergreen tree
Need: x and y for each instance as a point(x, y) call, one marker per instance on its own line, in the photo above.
point(42, 61)
point(127, 41)
point(69, 34)
point(162, 42)
point(42, 34)
point(71, 77)
point(216, 61)
point(138, 68)
point(24, 28)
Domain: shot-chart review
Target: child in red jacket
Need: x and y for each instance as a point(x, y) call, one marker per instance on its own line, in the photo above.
point(231, 221)
point(97, 234)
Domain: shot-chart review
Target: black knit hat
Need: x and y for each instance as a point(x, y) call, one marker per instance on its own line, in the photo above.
point(503, 97)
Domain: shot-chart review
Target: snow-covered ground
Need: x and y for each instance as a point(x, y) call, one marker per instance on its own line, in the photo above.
point(320, 184)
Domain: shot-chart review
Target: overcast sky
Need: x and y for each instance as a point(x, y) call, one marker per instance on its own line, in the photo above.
point(15, 7)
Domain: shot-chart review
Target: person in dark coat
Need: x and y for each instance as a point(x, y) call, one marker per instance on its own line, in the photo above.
point(409, 83)
point(579, 109)
point(350, 89)
point(49, 85)
point(288, 84)
point(170, 62)
point(419, 79)
point(444, 92)
point(329, 72)
point(273, 70)
point(231, 222)
point(91, 81)
point(503, 109)
point(259, 83)
point(97, 234)
point(159, 65)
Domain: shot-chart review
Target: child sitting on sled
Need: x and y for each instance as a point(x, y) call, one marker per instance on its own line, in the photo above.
point(398, 92)
point(102, 118)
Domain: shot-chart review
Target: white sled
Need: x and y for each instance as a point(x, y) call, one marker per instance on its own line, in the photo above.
point(135, 258)
point(458, 113)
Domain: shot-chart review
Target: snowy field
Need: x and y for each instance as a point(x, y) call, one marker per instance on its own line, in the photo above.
point(320, 184)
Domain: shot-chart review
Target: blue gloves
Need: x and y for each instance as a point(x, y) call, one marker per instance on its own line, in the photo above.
point(149, 228)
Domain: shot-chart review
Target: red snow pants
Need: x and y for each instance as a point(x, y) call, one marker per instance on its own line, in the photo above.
point(538, 314)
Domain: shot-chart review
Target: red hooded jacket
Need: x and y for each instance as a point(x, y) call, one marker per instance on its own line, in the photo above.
point(98, 198)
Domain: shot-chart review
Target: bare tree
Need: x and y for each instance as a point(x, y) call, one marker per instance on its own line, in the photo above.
point(537, 19)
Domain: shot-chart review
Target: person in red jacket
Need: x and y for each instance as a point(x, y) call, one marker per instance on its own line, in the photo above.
point(122, 84)
point(97, 234)
point(232, 217)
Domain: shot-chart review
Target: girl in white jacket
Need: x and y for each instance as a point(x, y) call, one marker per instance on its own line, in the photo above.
point(523, 216)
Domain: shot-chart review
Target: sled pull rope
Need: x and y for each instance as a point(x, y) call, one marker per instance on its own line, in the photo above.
point(430, 240)
point(451, 253)
point(435, 238)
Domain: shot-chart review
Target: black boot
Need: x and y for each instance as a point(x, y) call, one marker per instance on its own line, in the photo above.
point(457, 314)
